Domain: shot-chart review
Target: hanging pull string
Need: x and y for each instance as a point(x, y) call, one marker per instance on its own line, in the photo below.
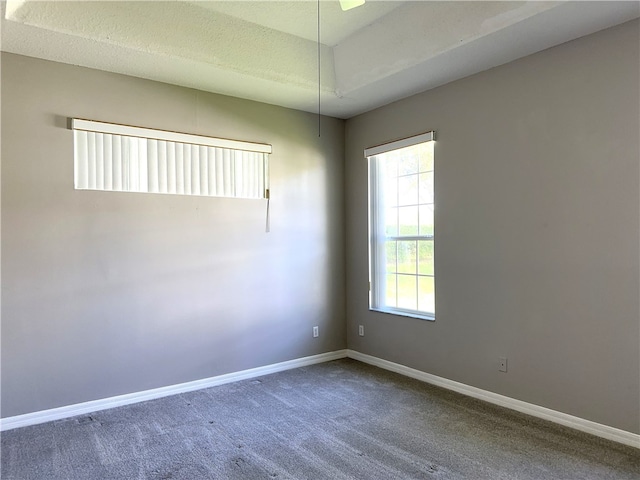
point(319, 84)
point(268, 221)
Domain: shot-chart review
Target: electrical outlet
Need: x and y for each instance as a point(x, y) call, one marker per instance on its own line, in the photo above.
point(361, 330)
point(502, 364)
point(315, 332)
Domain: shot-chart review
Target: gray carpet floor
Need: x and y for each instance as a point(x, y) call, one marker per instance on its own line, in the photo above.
point(338, 420)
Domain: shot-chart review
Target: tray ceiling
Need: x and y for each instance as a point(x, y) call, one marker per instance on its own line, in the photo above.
point(267, 50)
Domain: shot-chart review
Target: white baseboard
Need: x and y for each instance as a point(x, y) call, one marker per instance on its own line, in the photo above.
point(577, 423)
point(604, 431)
point(120, 400)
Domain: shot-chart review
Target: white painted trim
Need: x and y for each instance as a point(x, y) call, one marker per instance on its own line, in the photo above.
point(127, 130)
point(604, 431)
point(577, 423)
point(120, 400)
point(404, 142)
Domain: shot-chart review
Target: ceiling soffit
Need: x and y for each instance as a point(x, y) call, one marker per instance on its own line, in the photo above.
point(180, 30)
point(419, 31)
point(267, 51)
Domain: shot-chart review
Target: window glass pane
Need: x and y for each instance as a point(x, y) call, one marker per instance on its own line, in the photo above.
point(408, 217)
point(407, 292)
point(390, 193)
point(389, 165)
point(426, 219)
point(390, 291)
point(407, 257)
point(426, 187)
point(426, 294)
point(390, 252)
point(402, 248)
point(426, 158)
point(408, 190)
point(391, 222)
point(408, 162)
point(425, 257)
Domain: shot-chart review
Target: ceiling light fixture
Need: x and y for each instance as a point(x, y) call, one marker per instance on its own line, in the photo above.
point(349, 4)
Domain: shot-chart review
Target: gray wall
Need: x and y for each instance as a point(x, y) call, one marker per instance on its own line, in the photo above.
point(537, 244)
point(109, 293)
point(537, 217)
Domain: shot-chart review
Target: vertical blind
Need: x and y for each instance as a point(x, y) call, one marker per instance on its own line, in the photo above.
point(131, 159)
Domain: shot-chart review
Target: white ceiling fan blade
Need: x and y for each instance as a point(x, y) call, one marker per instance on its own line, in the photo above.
point(349, 4)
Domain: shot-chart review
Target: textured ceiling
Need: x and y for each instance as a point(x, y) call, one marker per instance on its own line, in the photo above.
point(300, 18)
point(267, 50)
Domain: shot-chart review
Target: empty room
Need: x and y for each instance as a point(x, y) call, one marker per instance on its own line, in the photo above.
point(335, 239)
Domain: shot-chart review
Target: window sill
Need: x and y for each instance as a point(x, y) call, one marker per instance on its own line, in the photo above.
point(405, 313)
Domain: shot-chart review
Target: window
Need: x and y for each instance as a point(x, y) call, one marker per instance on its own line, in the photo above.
point(401, 227)
point(115, 157)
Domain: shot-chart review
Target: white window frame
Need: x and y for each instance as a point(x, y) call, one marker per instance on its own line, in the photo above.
point(377, 237)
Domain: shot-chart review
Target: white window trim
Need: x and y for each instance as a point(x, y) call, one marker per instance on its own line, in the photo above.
point(373, 216)
point(402, 143)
